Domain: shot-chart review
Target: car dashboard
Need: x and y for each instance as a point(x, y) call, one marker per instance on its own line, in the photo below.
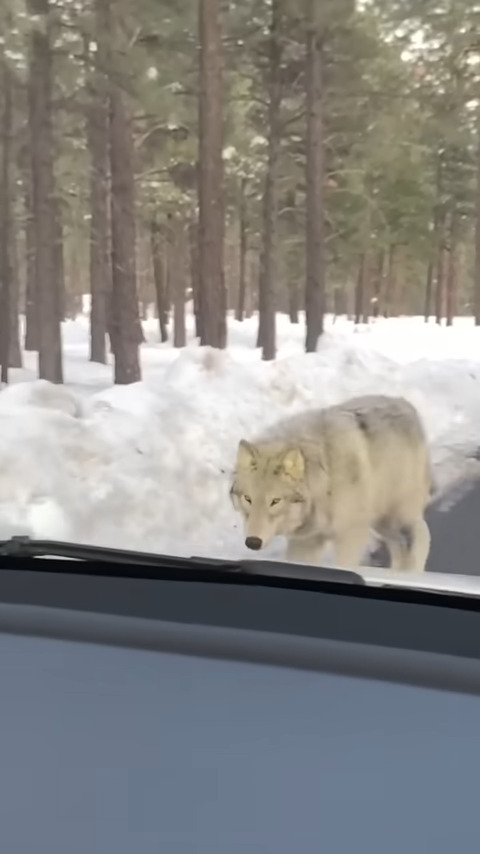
point(201, 711)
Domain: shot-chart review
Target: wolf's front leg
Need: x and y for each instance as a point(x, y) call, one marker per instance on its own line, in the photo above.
point(306, 549)
point(350, 547)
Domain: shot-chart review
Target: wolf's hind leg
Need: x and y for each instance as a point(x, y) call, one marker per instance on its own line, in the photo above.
point(409, 548)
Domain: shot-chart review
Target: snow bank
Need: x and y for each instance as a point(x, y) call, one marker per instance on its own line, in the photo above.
point(147, 466)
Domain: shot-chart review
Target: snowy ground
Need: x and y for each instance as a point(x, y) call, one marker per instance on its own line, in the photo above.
point(147, 466)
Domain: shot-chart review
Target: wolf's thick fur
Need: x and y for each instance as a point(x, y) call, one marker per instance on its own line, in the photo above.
point(334, 475)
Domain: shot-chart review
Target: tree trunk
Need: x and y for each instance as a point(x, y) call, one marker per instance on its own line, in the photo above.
point(389, 282)
point(125, 328)
point(440, 270)
point(177, 245)
point(6, 220)
point(98, 146)
point(251, 263)
point(266, 286)
point(158, 260)
point(243, 248)
point(477, 234)
point(435, 237)
point(59, 259)
point(378, 284)
point(451, 271)
point(289, 219)
point(400, 290)
point(366, 288)
point(315, 182)
point(31, 310)
point(195, 277)
point(428, 292)
point(210, 177)
point(15, 348)
point(360, 289)
point(41, 148)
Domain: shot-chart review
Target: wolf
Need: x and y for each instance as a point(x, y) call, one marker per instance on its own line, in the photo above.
point(333, 476)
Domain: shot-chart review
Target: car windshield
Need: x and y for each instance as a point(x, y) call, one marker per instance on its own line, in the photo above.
point(240, 278)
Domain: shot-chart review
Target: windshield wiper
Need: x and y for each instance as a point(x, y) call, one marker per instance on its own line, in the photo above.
point(22, 547)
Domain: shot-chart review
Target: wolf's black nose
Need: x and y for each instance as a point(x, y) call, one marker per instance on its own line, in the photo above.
point(253, 543)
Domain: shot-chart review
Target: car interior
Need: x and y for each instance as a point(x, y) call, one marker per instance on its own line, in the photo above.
point(159, 704)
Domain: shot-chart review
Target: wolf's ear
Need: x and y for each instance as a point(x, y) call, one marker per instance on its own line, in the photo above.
point(293, 464)
point(247, 456)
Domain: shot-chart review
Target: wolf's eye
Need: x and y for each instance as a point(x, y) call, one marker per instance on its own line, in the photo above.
point(275, 501)
point(247, 499)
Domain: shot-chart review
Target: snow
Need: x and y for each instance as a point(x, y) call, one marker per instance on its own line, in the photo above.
point(147, 466)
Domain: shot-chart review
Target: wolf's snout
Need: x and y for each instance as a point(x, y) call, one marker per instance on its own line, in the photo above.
point(253, 543)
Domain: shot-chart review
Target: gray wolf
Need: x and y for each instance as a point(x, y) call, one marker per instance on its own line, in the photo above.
point(333, 476)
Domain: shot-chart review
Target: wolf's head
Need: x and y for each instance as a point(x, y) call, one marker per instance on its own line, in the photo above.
point(269, 490)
